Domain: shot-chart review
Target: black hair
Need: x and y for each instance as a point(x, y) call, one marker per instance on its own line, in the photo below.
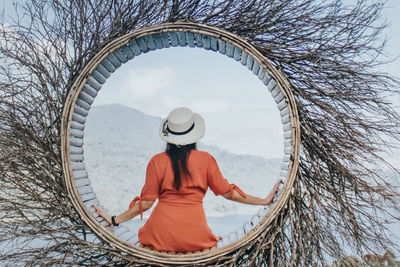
point(179, 156)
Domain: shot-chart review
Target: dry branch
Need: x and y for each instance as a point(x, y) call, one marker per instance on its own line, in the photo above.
point(328, 51)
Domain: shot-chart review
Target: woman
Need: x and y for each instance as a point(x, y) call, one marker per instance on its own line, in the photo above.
point(179, 178)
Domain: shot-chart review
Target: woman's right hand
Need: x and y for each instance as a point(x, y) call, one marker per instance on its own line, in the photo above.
point(103, 214)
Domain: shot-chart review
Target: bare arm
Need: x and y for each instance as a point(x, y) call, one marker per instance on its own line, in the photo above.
point(253, 200)
point(126, 215)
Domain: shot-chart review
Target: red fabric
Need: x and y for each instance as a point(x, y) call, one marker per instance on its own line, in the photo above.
point(178, 222)
point(140, 205)
point(237, 189)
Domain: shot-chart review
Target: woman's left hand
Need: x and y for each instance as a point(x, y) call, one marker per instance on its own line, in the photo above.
point(271, 194)
point(103, 214)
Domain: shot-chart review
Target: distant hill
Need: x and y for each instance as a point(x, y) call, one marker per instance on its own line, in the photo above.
point(119, 142)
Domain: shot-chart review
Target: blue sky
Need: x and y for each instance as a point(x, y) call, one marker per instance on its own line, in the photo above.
point(240, 114)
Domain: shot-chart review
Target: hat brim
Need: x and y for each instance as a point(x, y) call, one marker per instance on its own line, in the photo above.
point(191, 137)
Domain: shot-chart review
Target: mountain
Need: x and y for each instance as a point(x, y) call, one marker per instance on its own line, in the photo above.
point(119, 142)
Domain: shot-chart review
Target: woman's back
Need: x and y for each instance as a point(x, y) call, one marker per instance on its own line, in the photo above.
point(203, 170)
point(178, 223)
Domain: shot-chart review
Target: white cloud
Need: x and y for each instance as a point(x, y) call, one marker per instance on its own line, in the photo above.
point(145, 82)
point(170, 102)
point(210, 106)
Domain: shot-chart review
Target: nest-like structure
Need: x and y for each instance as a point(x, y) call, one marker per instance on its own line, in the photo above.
point(327, 51)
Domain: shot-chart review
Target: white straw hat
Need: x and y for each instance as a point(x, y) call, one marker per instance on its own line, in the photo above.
point(182, 127)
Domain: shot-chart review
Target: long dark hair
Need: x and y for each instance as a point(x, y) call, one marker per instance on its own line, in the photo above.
point(178, 156)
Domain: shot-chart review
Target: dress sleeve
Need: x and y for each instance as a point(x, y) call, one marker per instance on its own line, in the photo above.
point(151, 188)
point(217, 183)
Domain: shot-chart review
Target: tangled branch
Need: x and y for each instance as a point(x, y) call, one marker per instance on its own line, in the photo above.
point(328, 51)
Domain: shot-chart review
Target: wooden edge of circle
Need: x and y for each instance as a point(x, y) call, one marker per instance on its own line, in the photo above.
point(196, 257)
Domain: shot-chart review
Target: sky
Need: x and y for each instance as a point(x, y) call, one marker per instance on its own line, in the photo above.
point(391, 14)
point(240, 114)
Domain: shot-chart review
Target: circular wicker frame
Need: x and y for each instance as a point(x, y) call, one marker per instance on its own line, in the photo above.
point(85, 88)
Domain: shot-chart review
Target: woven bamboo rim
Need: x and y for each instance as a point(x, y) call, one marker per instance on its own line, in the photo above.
point(200, 257)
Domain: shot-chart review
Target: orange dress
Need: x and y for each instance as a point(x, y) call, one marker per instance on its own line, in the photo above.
point(178, 222)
